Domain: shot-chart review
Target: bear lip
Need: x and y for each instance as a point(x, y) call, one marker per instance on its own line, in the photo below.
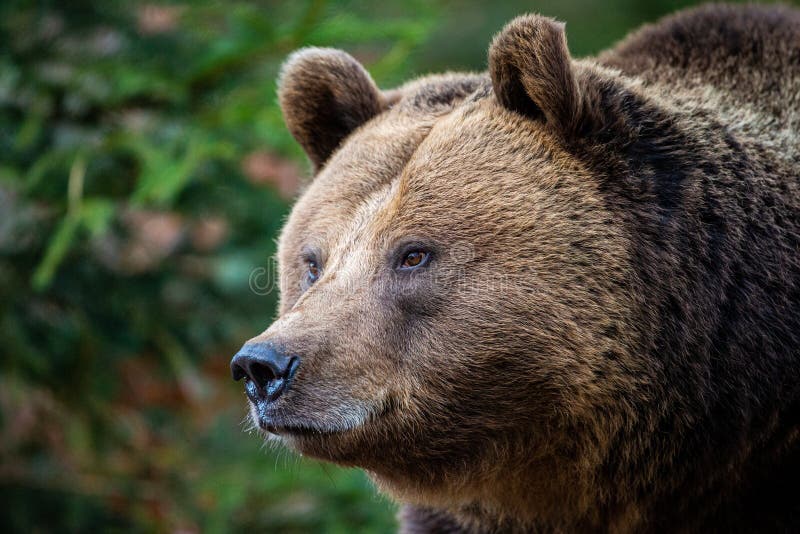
point(300, 430)
point(273, 423)
point(289, 429)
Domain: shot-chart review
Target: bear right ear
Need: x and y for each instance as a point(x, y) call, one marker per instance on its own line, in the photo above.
point(325, 94)
point(532, 72)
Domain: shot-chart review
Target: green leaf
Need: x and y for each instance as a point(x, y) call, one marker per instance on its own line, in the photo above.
point(168, 170)
point(96, 215)
point(57, 248)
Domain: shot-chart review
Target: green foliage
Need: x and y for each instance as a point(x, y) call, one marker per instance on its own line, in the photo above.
point(144, 176)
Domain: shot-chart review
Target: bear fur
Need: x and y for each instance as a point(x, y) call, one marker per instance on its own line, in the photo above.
point(605, 335)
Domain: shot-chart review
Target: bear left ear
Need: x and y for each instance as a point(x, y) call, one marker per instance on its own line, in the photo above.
point(532, 72)
point(325, 94)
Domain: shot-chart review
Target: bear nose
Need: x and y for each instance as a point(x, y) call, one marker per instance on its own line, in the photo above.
point(268, 369)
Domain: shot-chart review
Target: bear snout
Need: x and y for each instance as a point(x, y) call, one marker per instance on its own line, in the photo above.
point(267, 370)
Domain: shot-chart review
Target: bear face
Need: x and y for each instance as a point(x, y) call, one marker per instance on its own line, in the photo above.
point(547, 296)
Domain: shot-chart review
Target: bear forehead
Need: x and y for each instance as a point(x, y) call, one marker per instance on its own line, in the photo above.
point(374, 156)
point(425, 161)
point(358, 176)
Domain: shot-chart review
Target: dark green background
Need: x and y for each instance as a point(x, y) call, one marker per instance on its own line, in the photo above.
point(144, 174)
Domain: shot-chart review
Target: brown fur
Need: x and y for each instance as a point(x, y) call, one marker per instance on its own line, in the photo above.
point(607, 335)
point(326, 95)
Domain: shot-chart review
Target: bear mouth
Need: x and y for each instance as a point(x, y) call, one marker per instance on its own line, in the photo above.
point(345, 420)
point(300, 430)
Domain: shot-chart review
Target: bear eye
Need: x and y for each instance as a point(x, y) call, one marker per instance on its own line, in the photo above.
point(414, 259)
point(312, 271)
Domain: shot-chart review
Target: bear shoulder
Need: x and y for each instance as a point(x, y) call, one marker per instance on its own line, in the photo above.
point(731, 47)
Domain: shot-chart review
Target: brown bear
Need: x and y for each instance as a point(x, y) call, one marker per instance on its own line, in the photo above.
point(563, 295)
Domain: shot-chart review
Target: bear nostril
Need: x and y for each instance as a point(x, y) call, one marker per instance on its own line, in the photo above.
point(268, 368)
point(262, 373)
point(238, 372)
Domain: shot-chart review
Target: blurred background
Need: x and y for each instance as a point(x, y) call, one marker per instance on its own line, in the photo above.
point(144, 174)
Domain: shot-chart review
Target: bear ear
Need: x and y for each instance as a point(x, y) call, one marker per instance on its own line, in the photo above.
point(532, 72)
point(325, 94)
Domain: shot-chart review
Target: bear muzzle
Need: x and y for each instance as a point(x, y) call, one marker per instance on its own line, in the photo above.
point(311, 407)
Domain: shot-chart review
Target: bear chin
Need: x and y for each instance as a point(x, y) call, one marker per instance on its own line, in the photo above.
point(344, 447)
point(349, 442)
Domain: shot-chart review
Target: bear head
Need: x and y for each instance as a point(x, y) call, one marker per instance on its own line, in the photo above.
point(455, 312)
